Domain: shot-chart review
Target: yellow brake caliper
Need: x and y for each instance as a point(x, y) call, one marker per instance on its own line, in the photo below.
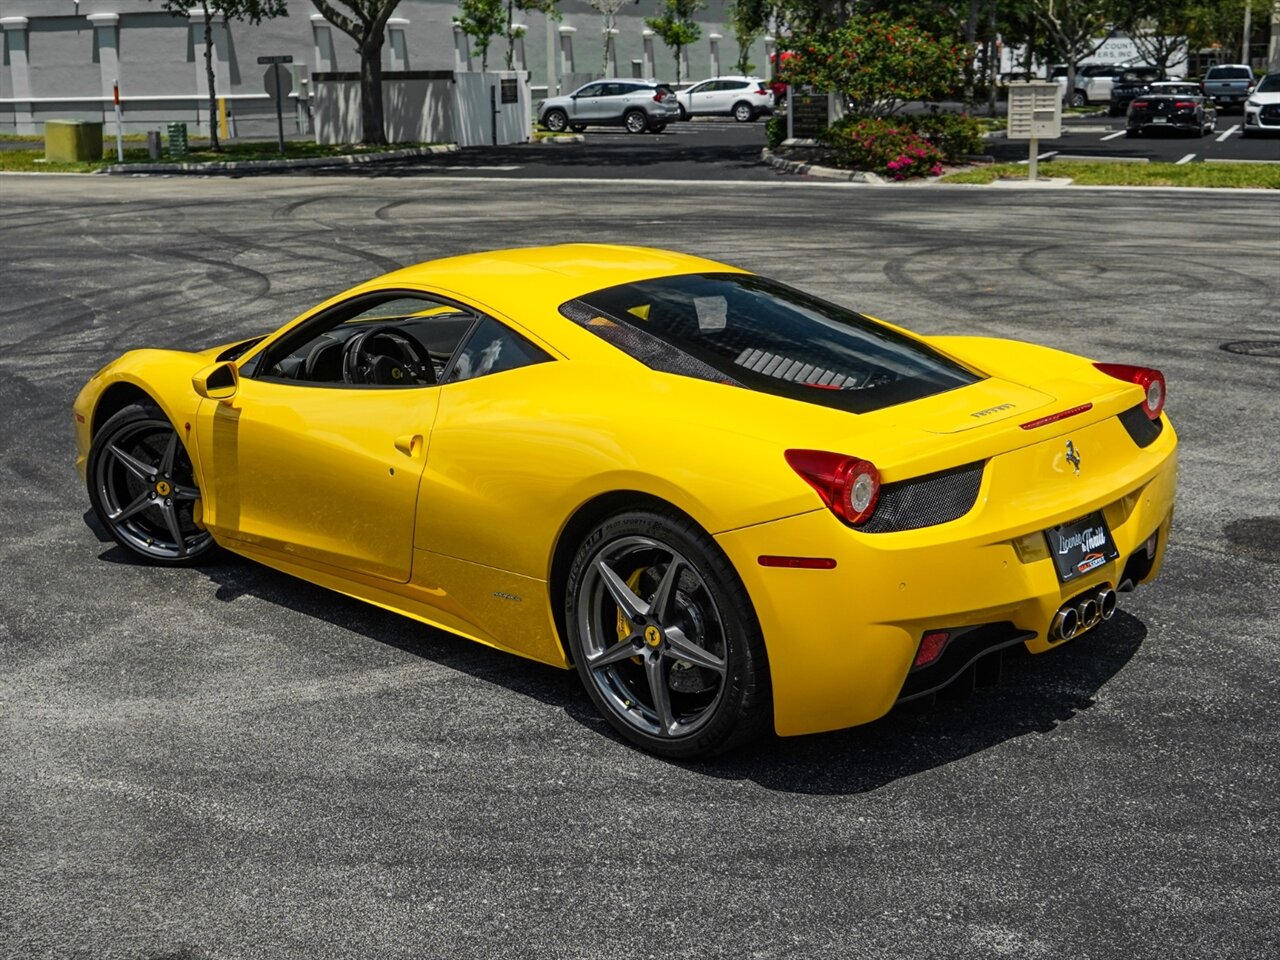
point(624, 625)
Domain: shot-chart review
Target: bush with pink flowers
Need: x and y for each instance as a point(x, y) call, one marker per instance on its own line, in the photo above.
point(889, 147)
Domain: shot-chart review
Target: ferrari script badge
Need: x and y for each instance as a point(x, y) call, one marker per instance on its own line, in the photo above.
point(1073, 456)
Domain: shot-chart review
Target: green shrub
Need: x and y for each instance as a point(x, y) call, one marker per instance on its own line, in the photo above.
point(887, 147)
point(956, 135)
point(775, 130)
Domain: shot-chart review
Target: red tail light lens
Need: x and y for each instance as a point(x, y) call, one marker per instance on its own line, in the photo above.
point(848, 486)
point(931, 646)
point(1151, 381)
point(1140, 104)
point(1184, 105)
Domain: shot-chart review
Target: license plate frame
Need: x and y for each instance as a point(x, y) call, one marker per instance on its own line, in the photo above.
point(1080, 546)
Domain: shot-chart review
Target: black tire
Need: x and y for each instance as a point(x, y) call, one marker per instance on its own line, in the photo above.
point(555, 120)
point(657, 127)
point(706, 708)
point(743, 112)
point(1078, 99)
point(635, 121)
point(143, 490)
point(578, 127)
point(684, 114)
point(1133, 132)
point(1246, 133)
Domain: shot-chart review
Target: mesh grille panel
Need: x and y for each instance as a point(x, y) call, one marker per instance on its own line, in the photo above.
point(1141, 428)
point(926, 501)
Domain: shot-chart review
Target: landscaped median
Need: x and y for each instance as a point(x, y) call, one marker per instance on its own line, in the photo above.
point(233, 158)
point(1101, 174)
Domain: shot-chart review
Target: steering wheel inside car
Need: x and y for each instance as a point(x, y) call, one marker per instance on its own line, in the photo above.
point(386, 356)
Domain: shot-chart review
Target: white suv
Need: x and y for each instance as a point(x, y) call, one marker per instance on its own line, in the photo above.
point(743, 98)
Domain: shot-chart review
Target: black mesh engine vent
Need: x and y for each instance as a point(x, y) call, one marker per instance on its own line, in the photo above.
point(926, 501)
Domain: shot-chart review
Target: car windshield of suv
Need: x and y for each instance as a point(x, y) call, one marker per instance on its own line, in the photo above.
point(1270, 84)
point(1228, 73)
point(757, 333)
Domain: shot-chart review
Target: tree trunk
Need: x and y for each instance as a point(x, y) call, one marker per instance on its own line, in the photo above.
point(993, 60)
point(214, 145)
point(511, 40)
point(970, 35)
point(371, 127)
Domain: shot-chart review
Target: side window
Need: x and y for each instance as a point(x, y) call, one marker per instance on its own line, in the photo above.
point(492, 348)
point(594, 90)
point(735, 84)
point(391, 339)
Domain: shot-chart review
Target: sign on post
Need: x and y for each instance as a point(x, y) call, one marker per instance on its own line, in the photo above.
point(1035, 114)
point(277, 89)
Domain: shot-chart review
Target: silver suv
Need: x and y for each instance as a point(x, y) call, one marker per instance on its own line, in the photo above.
point(638, 105)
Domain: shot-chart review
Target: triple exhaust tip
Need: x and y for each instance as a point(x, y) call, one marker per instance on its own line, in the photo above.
point(1083, 613)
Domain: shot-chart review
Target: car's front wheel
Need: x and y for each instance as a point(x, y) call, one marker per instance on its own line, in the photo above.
point(635, 121)
point(665, 638)
point(1078, 99)
point(556, 120)
point(743, 112)
point(143, 489)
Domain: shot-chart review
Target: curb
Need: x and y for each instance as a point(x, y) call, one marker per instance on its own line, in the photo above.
point(559, 138)
point(242, 166)
point(814, 170)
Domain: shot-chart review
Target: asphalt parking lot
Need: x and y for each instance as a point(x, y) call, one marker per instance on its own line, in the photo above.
point(226, 762)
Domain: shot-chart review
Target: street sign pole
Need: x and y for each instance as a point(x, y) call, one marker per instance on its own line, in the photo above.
point(279, 110)
point(275, 88)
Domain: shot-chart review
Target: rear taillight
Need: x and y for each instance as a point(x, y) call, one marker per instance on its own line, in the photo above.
point(1151, 382)
point(657, 97)
point(848, 486)
point(1184, 105)
point(1139, 104)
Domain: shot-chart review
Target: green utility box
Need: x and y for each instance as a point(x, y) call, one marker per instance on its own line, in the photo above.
point(177, 139)
point(72, 141)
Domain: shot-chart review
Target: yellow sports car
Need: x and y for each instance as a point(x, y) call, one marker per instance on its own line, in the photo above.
point(728, 504)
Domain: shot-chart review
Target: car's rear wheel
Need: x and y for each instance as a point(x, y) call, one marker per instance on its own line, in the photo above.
point(743, 112)
point(143, 490)
point(635, 121)
point(664, 637)
point(684, 114)
point(1078, 99)
point(556, 120)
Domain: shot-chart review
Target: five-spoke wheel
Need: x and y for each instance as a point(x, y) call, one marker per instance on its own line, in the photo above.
point(664, 637)
point(143, 490)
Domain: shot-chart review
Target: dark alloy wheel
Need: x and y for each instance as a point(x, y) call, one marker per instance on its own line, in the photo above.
point(664, 637)
point(1078, 99)
point(743, 112)
point(556, 120)
point(142, 488)
point(635, 121)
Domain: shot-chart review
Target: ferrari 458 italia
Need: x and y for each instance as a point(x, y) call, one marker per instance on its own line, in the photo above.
point(730, 505)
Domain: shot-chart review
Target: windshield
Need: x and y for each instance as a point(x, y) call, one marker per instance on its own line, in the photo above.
point(757, 333)
point(1270, 84)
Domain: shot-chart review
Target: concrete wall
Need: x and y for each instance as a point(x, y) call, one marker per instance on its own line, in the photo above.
point(62, 61)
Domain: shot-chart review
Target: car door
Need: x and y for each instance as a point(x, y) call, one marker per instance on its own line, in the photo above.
point(308, 465)
point(697, 97)
point(728, 94)
point(587, 103)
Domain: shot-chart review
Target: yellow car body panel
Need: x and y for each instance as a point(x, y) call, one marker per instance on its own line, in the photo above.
point(448, 502)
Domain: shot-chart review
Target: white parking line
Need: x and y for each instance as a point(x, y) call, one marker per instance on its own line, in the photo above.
point(1112, 136)
point(1229, 133)
point(1187, 159)
point(1042, 156)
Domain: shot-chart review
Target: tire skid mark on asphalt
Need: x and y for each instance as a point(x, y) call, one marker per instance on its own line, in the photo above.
point(243, 699)
point(201, 808)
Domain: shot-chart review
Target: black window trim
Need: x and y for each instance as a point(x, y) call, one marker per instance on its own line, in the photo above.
point(304, 331)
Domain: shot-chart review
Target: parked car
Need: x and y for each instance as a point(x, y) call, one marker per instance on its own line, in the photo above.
point(743, 98)
point(1093, 82)
point(1173, 105)
point(1229, 84)
point(1262, 109)
point(637, 105)
point(1129, 84)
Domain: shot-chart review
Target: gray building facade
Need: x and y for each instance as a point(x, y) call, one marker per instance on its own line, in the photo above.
point(62, 58)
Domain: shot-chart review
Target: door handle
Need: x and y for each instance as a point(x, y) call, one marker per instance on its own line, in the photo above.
point(410, 444)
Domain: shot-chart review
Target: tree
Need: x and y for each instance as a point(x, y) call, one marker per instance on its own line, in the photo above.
point(675, 27)
point(524, 6)
point(252, 11)
point(365, 22)
point(608, 10)
point(748, 27)
point(1218, 23)
point(483, 20)
point(878, 63)
point(1076, 29)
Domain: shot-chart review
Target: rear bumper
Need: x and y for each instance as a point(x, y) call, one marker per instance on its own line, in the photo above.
point(842, 641)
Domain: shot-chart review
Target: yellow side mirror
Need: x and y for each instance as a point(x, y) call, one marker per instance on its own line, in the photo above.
point(217, 382)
